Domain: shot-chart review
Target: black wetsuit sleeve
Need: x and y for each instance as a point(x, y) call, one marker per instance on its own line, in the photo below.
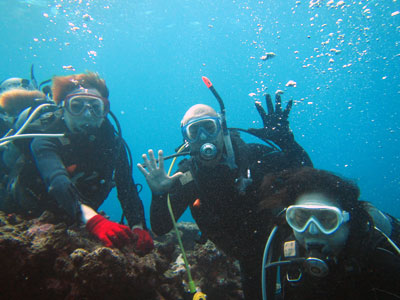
point(128, 195)
point(295, 154)
point(160, 218)
point(45, 152)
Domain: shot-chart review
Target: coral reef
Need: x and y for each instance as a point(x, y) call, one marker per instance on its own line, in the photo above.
point(42, 258)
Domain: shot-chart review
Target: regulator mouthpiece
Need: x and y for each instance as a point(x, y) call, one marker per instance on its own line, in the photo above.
point(208, 151)
point(315, 265)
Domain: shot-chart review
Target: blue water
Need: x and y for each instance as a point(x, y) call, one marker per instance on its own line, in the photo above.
point(153, 54)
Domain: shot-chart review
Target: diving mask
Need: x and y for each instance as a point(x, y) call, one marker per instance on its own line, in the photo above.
point(327, 218)
point(15, 83)
point(76, 104)
point(202, 128)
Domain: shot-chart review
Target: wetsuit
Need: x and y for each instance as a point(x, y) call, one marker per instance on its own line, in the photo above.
point(368, 268)
point(228, 214)
point(54, 173)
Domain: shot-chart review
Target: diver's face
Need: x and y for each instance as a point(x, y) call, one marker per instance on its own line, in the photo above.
point(84, 111)
point(82, 123)
point(205, 137)
point(312, 236)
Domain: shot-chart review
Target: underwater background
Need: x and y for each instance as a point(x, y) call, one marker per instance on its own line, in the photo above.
point(344, 57)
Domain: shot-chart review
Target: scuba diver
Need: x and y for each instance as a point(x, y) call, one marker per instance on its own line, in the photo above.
point(15, 95)
point(219, 180)
point(65, 156)
point(327, 243)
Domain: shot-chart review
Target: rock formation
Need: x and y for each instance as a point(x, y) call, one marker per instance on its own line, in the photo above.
point(44, 259)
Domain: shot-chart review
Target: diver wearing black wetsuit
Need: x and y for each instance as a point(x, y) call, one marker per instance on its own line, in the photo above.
point(222, 199)
point(73, 174)
point(329, 244)
point(79, 168)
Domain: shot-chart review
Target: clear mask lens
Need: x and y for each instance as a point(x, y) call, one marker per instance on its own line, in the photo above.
point(209, 127)
point(16, 83)
point(327, 218)
point(76, 105)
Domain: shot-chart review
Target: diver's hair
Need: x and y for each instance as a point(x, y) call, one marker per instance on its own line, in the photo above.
point(14, 101)
point(282, 189)
point(63, 85)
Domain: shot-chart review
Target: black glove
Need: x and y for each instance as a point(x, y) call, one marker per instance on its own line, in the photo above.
point(275, 123)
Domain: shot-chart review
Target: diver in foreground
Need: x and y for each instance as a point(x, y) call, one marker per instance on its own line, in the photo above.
point(72, 161)
point(327, 244)
point(219, 180)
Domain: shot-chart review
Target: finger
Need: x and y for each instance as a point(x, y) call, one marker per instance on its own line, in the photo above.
point(147, 162)
point(278, 103)
point(260, 110)
point(152, 158)
point(177, 175)
point(128, 234)
point(268, 100)
point(115, 239)
point(287, 109)
point(135, 237)
point(160, 159)
point(107, 241)
point(143, 170)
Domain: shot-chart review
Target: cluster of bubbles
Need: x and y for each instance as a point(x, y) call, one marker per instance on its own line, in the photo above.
point(338, 36)
point(75, 26)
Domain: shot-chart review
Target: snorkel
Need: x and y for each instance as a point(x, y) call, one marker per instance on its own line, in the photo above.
point(208, 150)
point(226, 136)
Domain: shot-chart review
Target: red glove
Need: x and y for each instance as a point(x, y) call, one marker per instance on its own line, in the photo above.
point(110, 233)
point(144, 241)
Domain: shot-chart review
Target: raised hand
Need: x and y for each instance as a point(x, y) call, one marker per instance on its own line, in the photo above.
point(156, 177)
point(275, 123)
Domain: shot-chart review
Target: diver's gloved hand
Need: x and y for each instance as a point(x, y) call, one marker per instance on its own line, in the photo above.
point(275, 123)
point(144, 241)
point(156, 177)
point(110, 233)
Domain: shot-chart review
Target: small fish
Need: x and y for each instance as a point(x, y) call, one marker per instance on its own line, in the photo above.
point(179, 265)
point(291, 83)
point(69, 68)
point(87, 17)
point(268, 55)
point(336, 51)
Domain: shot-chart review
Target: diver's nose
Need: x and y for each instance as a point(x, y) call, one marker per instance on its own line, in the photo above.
point(203, 136)
point(87, 112)
point(313, 229)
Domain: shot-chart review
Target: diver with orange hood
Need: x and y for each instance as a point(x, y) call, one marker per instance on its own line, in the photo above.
point(73, 160)
point(15, 95)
